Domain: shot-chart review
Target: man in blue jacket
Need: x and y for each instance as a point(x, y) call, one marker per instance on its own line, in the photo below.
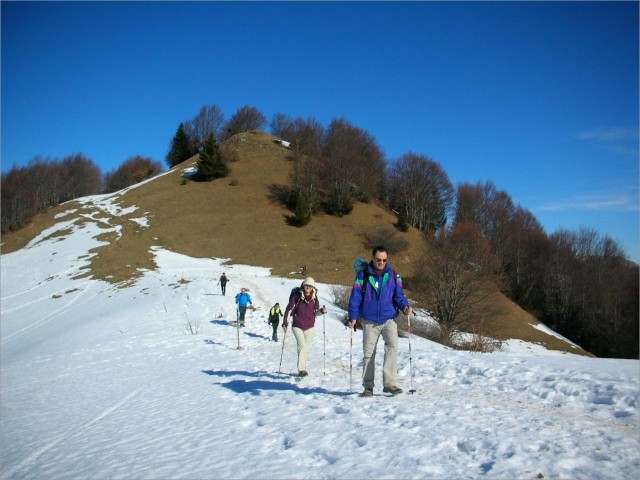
point(242, 299)
point(376, 299)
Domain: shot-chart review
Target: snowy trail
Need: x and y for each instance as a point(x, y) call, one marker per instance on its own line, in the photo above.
point(108, 383)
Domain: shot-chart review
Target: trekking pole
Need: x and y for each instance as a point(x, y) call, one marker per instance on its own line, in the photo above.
point(238, 326)
point(324, 341)
point(351, 363)
point(410, 362)
point(282, 353)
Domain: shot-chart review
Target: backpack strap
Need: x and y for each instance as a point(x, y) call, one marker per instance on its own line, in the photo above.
point(298, 297)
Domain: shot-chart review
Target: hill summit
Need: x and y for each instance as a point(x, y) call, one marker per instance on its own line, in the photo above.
point(234, 217)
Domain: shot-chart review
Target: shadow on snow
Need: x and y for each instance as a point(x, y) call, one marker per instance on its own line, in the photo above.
point(265, 381)
point(235, 325)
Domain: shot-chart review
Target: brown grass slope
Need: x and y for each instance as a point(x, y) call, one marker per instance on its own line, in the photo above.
point(235, 218)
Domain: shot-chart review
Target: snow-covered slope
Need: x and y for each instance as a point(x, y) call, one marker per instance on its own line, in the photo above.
point(106, 382)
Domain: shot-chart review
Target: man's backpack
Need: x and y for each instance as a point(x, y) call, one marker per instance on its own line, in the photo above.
point(359, 265)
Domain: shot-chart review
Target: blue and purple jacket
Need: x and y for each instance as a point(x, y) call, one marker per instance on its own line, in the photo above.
point(380, 298)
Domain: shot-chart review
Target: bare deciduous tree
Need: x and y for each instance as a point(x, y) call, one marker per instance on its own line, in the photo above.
point(592, 293)
point(454, 281)
point(80, 176)
point(306, 138)
point(354, 166)
point(209, 120)
point(42, 180)
point(44, 183)
point(421, 189)
point(132, 171)
point(339, 167)
point(17, 200)
point(487, 206)
point(526, 259)
point(282, 126)
point(245, 119)
point(455, 288)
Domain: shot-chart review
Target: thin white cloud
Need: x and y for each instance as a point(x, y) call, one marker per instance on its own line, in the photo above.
point(617, 140)
point(610, 134)
point(603, 201)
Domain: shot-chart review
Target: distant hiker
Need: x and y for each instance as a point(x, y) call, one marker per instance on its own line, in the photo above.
point(223, 283)
point(304, 307)
point(376, 299)
point(274, 320)
point(243, 299)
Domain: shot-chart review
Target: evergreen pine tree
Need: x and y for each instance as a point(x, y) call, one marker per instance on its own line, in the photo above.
point(403, 222)
point(211, 164)
point(179, 150)
point(303, 211)
point(338, 204)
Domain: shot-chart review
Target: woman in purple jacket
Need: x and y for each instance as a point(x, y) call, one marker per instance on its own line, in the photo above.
point(304, 308)
point(376, 299)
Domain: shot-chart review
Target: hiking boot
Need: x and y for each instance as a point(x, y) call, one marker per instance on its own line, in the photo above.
point(303, 373)
point(393, 390)
point(367, 392)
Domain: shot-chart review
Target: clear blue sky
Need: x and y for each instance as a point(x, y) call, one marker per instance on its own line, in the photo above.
point(541, 97)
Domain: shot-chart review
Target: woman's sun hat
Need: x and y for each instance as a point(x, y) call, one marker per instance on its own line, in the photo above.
point(311, 282)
